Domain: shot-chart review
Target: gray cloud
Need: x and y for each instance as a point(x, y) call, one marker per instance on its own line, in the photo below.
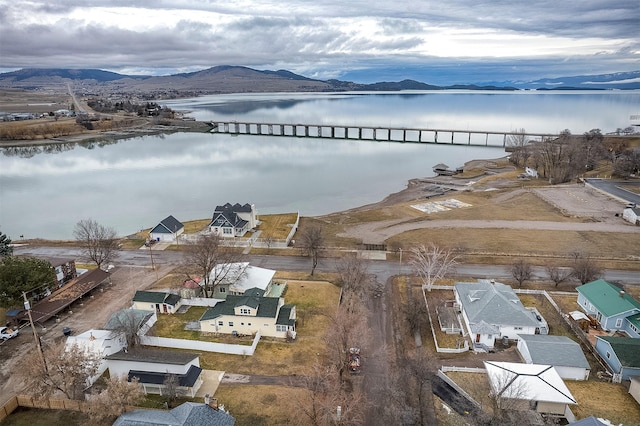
point(328, 38)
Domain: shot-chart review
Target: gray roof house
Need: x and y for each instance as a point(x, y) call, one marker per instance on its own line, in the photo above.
point(559, 351)
point(167, 230)
point(235, 220)
point(187, 414)
point(589, 421)
point(492, 310)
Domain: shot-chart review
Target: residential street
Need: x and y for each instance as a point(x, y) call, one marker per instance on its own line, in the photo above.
point(383, 269)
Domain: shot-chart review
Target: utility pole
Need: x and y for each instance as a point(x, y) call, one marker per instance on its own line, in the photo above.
point(27, 306)
point(153, 266)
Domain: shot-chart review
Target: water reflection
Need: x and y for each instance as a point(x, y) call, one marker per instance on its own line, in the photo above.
point(134, 183)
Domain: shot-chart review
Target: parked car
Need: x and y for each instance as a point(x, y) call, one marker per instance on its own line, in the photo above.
point(8, 333)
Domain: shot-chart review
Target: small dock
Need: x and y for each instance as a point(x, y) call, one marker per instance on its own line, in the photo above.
point(382, 134)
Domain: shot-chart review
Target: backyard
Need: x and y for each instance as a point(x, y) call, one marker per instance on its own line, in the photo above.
point(314, 301)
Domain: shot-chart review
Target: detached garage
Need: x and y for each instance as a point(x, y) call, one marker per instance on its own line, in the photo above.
point(168, 230)
point(559, 351)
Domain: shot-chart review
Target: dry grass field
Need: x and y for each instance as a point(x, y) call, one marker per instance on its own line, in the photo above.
point(276, 226)
point(260, 404)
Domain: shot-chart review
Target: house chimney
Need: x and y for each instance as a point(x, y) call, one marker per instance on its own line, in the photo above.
point(211, 402)
point(621, 293)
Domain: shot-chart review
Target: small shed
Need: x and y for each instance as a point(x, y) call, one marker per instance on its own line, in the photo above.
point(191, 288)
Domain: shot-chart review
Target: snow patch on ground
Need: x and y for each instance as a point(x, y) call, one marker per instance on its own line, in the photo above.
point(440, 206)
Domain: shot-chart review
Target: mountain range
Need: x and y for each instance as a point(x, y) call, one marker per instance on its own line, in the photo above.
point(237, 79)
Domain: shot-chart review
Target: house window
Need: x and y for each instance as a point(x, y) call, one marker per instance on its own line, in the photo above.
point(633, 327)
point(608, 355)
point(249, 324)
point(266, 325)
point(241, 323)
point(223, 289)
point(220, 323)
point(517, 328)
point(227, 231)
point(281, 328)
point(245, 311)
point(619, 323)
point(230, 323)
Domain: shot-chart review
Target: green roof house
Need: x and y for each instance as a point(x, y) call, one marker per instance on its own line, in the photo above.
point(250, 313)
point(610, 306)
point(622, 354)
point(156, 301)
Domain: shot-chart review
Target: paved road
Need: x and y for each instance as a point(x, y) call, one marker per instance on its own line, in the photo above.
point(382, 269)
point(612, 188)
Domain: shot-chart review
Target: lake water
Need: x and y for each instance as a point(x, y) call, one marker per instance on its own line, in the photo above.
point(135, 183)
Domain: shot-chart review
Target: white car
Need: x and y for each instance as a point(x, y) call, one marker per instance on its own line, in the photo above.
point(7, 333)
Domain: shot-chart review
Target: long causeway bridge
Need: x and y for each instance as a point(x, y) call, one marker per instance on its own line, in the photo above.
point(388, 134)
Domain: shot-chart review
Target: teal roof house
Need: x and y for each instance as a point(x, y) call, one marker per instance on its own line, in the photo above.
point(610, 306)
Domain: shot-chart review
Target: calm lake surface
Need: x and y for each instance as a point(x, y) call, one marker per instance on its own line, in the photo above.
point(135, 183)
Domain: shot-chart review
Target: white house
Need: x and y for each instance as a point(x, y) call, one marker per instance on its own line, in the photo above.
point(230, 221)
point(560, 351)
point(236, 278)
point(249, 313)
point(529, 386)
point(99, 342)
point(492, 311)
point(156, 301)
point(169, 229)
point(153, 366)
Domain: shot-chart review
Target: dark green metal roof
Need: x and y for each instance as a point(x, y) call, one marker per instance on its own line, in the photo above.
point(627, 350)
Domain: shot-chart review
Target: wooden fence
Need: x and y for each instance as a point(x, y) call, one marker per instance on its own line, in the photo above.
point(49, 403)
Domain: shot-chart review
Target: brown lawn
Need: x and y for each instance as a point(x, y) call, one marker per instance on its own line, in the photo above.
point(604, 400)
point(313, 300)
point(260, 404)
point(276, 226)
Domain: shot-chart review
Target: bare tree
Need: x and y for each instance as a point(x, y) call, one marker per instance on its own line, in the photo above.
point(556, 274)
point(323, 392)
point(520, 150)
point(208, 258)
point(415, 313)
point(418, 373)
point(115, 399)
point(67, 370)
point(127, 322)
point(521, 271)
point(311, 241)
point(432, 263)
point(348, 329)
point(508, 392)
point(585, 269)
point(593, 148)
point(354, 277)
point(99, 242)
point(171, 389)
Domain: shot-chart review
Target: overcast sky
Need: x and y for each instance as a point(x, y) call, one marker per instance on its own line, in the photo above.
point(455, 40)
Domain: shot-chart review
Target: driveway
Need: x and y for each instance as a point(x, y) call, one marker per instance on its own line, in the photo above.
point(613, 189)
